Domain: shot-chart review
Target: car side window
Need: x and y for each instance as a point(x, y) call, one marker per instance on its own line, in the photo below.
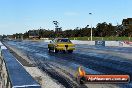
point(53, 41)
point(59, 40)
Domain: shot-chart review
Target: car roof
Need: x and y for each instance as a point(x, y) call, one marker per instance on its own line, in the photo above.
point(61, 38)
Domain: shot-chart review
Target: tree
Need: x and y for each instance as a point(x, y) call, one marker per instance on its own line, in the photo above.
point(104, 29)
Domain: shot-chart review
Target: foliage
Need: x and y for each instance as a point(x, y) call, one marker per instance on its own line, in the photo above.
point(101, 30)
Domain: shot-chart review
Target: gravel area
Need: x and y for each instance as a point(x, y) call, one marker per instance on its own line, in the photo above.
point(44, 80)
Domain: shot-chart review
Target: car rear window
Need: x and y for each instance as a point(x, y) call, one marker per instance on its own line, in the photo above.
point(63, 40)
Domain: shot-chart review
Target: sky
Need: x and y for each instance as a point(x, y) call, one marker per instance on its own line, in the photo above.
point(19, 16)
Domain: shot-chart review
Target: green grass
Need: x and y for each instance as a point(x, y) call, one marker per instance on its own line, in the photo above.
point(103, 38)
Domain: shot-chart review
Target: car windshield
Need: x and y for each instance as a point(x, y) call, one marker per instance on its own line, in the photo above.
point(63, 40)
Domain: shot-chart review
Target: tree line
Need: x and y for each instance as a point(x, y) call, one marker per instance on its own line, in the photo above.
point(101, 30)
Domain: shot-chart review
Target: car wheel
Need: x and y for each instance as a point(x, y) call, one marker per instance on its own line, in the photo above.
point(64, 51)
point(56, 51)
point(49, 50)
point(70, 51)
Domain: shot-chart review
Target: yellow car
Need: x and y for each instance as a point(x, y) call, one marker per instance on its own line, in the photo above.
point(61, 44)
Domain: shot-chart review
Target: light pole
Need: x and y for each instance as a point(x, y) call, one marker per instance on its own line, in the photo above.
point(91, 29)
point(91, 33)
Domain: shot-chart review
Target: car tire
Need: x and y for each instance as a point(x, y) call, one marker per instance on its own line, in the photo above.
point(49, 50)
point(64, 51)
point(70, 51)
point(56, 51)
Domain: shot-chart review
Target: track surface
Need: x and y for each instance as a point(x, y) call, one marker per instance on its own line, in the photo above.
point(93, 61)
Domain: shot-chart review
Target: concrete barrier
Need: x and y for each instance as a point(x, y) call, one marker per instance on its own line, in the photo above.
point(111, 43)
point(105, 43)
point(125, 44)
point(83, 42)
point(99, 43)
point(17, 76)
